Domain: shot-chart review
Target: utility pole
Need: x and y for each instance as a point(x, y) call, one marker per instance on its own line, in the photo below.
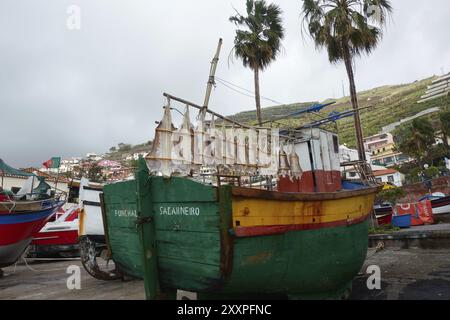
point(212, 73)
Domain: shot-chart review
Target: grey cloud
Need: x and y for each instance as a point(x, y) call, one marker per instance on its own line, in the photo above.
point(71, 92)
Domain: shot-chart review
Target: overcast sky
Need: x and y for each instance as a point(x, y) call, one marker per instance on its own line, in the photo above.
point(68, 92)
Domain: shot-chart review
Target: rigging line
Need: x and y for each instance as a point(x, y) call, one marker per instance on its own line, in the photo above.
point(235, 85)
point(252, 96)
point(231, 88)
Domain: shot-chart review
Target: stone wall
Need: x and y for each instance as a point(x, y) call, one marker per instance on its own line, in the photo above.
point(417, 190)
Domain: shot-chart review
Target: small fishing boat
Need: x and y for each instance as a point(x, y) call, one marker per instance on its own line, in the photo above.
point(58, 238)
point(231, 241)
point(23, 214)
point(18, 227)
point(439, 202)
point(307, 238)
point(273, 219)
point(383, 214)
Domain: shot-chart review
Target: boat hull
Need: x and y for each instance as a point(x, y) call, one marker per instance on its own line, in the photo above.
point(441, 206)
point(17, 230)
point(11, 252)
point(307, 264)
point(229, 242)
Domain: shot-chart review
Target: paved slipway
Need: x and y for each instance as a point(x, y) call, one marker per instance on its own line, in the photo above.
point(407, 274)
point(48, 281)
point(416, 274)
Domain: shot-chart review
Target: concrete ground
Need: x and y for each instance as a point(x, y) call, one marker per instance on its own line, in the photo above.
point(416, 274)
point(40, 281)
point(411, 274)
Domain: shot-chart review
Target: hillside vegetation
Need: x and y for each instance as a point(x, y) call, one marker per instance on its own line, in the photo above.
point(388, 104)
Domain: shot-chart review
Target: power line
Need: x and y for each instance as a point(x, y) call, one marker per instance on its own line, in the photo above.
point(235, 90)
point(226, 83)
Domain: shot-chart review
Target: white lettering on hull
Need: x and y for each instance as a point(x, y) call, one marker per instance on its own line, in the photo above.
point(179, 211)
point(125, 213)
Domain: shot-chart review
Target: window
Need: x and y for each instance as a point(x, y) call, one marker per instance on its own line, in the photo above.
point(388, 160)
point(391, 179)
point(379, 180)
point(352, 174)
point(336, 144)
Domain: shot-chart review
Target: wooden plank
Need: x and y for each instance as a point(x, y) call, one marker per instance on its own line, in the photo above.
point(105, 223)
point(120, 192)
point(192, 276)
point(201, 247)
point(318, 196)
point(185, 209)
point(147, 233)
point(226, 224)
point(178, 190)
point(188, 223)
point(122, 215)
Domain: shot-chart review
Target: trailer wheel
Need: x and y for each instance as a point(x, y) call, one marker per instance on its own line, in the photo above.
point(96, 262)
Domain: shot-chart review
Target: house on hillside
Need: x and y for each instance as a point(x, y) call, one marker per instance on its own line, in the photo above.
point(389, 176)
point(136, 155)
point(438, 88)
point(383, 152)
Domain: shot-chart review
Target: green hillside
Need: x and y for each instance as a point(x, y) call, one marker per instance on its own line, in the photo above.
point(388, 104)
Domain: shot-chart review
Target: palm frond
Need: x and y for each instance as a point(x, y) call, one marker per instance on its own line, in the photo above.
point(352, 24)
point(258, 40)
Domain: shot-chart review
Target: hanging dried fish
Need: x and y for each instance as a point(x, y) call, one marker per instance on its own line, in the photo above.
point(284, 168)
point(294, 160)
point(159, 159)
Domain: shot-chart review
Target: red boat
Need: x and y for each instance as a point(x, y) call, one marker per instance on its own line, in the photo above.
point(384, 215)
point(18, 227)
point(58, 238)
point(23, 214)
point(384, 220)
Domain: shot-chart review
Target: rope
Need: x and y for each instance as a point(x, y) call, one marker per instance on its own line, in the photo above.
point(378, 248)
point(34, 270)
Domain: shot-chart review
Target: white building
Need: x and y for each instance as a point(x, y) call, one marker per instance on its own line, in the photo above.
point(93, 157)
point(11, 182)
point(349, 155)
point(136, 155)
point(390, 176)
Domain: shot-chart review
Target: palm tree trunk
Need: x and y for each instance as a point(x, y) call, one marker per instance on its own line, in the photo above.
point(354, 100)
point(257, 96)
point(445, 141)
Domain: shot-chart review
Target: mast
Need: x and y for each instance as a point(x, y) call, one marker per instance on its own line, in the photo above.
point(212, 73)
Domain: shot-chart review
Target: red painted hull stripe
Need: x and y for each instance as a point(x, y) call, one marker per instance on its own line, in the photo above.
point(273, 230)
point(17, 227)
point(66, 237)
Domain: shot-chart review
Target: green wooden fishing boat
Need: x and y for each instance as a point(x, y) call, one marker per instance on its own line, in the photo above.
point(229, 241)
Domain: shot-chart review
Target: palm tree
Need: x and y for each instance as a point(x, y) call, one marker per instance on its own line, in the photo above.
point(259, 42)
point(347, 29)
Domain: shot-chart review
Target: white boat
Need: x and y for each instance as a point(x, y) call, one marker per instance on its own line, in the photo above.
point(439, 202)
